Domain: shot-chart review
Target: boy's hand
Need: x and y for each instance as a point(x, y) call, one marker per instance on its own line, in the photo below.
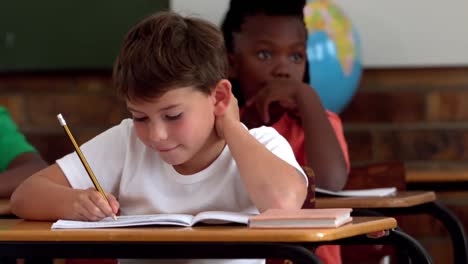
point(91, 206)
point(378, 234)
point(230, 115)
point(284, 93)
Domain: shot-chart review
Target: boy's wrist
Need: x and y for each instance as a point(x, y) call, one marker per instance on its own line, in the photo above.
point(231, 129)
point(307, 97)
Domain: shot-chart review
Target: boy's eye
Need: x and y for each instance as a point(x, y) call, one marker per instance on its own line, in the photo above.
point(140, 119)
point(264, 55)
point(297, 57)
point(173, 117)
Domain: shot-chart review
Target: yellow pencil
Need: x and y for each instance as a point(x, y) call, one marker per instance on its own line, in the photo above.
point(83, 160)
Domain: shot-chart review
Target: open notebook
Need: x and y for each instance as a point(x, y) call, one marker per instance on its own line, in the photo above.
point(208, 217)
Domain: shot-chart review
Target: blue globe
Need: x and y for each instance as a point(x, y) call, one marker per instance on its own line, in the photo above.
point(333, 54)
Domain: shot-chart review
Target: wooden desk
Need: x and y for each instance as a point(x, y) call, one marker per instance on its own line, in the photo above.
point(407, 203)
point(19, 238)
point(399, 200)
point(5, 207)
point(437, 176)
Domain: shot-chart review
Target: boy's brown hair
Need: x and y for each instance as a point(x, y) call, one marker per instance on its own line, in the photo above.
point(167, 51)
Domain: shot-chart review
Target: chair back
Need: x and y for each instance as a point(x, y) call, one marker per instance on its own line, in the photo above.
point(377, 175)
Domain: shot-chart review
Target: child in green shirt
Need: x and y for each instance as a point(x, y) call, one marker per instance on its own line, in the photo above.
point(18, 159)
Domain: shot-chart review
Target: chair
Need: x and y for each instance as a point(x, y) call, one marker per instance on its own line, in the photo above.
point(376, 175)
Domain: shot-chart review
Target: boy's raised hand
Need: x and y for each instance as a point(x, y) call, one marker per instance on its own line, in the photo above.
point(91, 206)
point(284, 93)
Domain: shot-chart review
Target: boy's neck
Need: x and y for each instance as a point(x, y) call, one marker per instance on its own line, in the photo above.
point(204, 158)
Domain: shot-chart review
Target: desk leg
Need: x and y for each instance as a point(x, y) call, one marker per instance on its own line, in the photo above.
point(446, 217)
point(417, 252)
point(396, 238)
point(455, 229)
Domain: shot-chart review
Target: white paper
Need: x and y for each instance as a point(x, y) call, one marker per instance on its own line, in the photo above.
point(211, 217)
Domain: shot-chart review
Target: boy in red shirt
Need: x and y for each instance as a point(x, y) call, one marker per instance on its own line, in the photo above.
point(266, 45)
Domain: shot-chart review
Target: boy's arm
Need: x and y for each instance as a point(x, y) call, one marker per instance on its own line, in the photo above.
point(43, 196)
point(18, 159)
point(323, 151)
point(18, 170)
point(47, 195)
point(270, 181)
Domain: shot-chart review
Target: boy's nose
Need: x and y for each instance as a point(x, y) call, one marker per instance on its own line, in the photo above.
point(157, 132)
point(281, 74)
point(281, 69)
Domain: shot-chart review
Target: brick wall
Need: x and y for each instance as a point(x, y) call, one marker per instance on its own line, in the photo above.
point(86, 100)
point(420, 117)
point(414, 115)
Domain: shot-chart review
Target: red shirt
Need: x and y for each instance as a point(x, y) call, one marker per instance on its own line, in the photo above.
point(292, 130)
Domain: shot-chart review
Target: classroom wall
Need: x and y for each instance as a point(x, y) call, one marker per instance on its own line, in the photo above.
point(418, 116)
point(56, 35)
point(397, 33)
point(86, 101)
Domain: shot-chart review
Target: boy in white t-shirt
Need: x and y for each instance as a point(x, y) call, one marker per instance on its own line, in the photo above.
point(185, 151)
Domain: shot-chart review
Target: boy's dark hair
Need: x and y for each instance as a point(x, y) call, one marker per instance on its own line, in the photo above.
point(167, 51)
point(240, 9)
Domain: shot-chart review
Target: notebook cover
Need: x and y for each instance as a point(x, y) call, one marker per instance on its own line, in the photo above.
point(291, 214)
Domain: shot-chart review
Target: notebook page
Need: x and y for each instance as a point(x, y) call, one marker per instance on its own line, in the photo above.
point(130, 220)
point(221, 217)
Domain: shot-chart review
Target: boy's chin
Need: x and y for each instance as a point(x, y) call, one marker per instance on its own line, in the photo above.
point(174, 161)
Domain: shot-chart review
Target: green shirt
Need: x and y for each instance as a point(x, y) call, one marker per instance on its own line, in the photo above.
point(12, 142)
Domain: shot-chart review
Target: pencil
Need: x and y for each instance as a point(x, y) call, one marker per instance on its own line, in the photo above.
point(83, 160)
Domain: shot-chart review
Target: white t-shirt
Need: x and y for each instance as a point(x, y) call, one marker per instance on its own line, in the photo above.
point(144, 184)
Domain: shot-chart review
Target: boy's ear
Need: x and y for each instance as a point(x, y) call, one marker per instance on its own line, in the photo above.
point(222, 96)
point(233, 66)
